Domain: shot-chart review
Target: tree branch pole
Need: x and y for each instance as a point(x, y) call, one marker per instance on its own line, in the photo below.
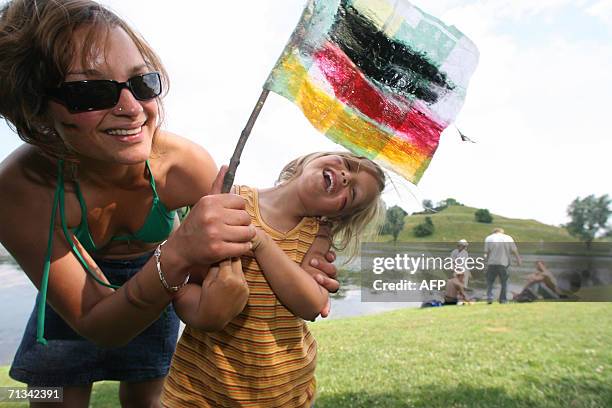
point(228, 180)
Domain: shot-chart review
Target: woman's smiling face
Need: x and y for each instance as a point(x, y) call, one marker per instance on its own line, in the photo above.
point(121, 134)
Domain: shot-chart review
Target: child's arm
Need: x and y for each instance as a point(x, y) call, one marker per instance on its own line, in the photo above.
point(293, 284)
point(221, 297)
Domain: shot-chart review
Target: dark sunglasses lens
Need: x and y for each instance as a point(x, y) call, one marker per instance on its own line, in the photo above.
point(147, 86)
point(94, 95)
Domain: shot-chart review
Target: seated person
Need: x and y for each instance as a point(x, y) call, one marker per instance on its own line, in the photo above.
point(542, 283)
point(455, 289)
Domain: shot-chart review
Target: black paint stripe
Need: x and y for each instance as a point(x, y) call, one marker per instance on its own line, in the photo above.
point(387, 61)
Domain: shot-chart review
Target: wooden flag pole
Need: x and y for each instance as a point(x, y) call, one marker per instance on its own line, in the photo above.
point(228, 180)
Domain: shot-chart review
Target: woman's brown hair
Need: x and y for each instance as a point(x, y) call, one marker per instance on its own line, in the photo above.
point(36, 49)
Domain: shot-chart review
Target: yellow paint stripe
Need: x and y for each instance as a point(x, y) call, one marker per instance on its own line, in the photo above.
point(331, 117)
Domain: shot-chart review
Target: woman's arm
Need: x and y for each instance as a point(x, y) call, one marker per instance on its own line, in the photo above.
point(295, 287)
point(217, 228)
point(221, 296)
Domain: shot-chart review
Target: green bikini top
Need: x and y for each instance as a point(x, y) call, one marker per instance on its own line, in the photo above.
point(157, 226)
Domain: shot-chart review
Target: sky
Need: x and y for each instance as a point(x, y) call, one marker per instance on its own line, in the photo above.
point(537, 105)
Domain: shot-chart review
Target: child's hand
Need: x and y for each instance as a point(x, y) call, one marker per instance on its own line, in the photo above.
point(259, 239)
point(227, 291)
point(222, 295)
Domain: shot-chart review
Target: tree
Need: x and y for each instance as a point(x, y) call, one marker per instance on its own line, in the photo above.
point(483, 215)
point(424, 229)
point(444, 204)
point(589, 218)
point(394, 221)
point(427, 205)
point(452, 201)
point(441, 206)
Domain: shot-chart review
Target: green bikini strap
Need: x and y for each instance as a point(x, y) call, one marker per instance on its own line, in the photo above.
point(152, 181)
point(58, 200)
point(42, 300)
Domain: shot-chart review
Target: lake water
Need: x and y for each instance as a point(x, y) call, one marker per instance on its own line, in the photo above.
point(17, 295)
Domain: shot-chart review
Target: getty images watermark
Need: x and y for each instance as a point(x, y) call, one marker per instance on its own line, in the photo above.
point(415, 267)
point(420, 272)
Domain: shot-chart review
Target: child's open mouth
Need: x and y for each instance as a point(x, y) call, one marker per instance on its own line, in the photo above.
point(330, 181)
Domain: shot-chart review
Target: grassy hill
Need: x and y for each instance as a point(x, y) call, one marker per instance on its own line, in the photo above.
point(457, 222)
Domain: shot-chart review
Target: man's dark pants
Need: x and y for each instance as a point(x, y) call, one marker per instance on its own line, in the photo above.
point(493, 271)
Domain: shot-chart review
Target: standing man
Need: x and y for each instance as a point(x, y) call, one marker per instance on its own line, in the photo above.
point(460, 256)
point(498, 249)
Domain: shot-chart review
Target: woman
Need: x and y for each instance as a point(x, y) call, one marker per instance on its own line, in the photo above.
point(102, 181)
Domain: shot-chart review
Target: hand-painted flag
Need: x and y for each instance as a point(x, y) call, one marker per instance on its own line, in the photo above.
point(380, 77)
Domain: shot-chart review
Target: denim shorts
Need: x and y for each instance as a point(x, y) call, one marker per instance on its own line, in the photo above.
point(69, 359)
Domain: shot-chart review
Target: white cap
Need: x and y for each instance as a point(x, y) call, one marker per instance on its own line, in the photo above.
point(462, 242)
point(459, 271)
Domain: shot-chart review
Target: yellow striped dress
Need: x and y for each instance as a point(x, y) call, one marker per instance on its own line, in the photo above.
point(265, 357)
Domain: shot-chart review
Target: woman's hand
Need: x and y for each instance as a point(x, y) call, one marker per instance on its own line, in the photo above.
point(327, 279)
point(217, 227)
point(320, 257)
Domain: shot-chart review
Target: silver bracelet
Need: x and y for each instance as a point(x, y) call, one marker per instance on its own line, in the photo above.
point(162, 278)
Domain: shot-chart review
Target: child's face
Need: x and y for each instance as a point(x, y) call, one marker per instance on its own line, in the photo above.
point(334, 186)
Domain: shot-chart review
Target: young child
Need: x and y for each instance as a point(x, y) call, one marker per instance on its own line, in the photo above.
point(266, 356)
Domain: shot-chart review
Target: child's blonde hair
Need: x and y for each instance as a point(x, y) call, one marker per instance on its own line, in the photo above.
point(347, 231)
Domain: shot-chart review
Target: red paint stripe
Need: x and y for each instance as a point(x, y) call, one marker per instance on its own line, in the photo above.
point(351, 87)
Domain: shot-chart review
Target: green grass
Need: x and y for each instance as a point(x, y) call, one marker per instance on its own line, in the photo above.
point(517, 355)
point(457, 222)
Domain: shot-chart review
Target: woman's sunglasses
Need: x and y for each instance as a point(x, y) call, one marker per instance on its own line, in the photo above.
point(84, 96)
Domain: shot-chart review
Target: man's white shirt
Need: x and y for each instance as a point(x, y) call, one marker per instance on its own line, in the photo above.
point(498, 248)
